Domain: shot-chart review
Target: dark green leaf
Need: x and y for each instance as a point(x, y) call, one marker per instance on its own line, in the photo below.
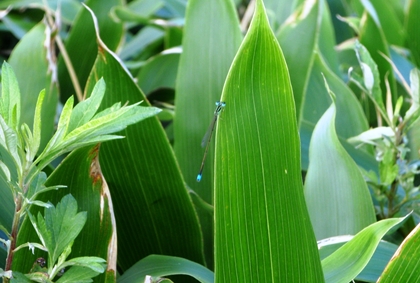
point(349, 123)
point(146, 185)
point(159, 72)
point(298, 38)
point(81, 43)
point(411, 29)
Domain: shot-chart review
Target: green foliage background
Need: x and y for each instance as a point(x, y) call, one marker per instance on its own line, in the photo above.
point(291, 107)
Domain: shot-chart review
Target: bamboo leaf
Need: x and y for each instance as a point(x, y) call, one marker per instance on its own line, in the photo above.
point(411, 30)
point(207, 61)
point(403, 266)
point(153, 198)
point(31, 51)
point(377, 262)
point(262, 229)
point(82, 35)
point(333, 177)
point(351, 121)
point(349, 260)
point(298, 38)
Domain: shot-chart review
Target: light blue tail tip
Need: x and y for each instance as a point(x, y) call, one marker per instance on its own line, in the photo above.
point(199, 177)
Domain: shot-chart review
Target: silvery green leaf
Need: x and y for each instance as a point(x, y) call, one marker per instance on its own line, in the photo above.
point(415, 92)
point(371, 77)
point(370, 136)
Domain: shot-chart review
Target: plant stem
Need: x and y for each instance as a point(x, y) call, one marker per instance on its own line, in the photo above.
point(13, 235)
point(391, 195)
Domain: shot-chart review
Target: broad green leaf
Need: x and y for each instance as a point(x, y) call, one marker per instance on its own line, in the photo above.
point(341, 29)
point(160, 266)
point(7, 208)
point(145, 37)
point(35, 71)
point(81, 174)
point(203, 67)
point(349, 123)
point(262, 228)
point(278, 11)
point(412, 23)
point(390, 15)
point(82, 37)
point(326, 40)
point(403, 266)
point(205, 213)
point(337, 196)
point(10, 97)
point(159, 72)
point(377, 263)
point(349, 260)
point(145, 8)
point(148, 191)
point(17, 24)
point(177, 7)
point(298, 38)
